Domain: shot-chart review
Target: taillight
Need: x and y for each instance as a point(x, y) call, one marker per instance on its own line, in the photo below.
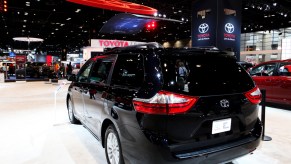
point(254, 95)
point(165, 103)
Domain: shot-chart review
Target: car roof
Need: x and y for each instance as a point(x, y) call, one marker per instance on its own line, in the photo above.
point(275, 61)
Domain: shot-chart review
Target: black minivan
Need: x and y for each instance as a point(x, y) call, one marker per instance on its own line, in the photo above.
point(143, 109)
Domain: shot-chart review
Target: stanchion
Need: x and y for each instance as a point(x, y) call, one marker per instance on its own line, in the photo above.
point(58, 89)
point(263, 114)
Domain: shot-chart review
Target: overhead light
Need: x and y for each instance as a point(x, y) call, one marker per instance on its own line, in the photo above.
point(274, 4)
point(164, 16)
point(56, 29)
point(26, 13)
point(24, 26)
point(78, 10)
point(62, 24)
point(285, 15)
point(52, 33)
point(24, 20)
point(155, 14)
point(246, 8)
point(68, 18)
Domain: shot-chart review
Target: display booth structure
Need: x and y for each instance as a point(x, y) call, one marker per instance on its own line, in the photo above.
point(217, 23)
point(99, 45)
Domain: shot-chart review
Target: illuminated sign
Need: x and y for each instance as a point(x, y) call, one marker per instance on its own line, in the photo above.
point(117, 5)
point(203, 29)
point(112, 43)
point(20, 59)
point(229, 29)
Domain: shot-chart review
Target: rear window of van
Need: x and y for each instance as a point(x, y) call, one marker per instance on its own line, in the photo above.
point(204, 74)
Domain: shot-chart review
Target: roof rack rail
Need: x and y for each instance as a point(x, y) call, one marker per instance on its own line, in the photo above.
point(150, 45)
point(206, 48)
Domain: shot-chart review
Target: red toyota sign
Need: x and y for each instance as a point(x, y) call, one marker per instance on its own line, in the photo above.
point(112, 43)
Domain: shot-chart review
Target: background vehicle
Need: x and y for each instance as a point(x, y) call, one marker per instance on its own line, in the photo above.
point(275, 78)
point(132, 100)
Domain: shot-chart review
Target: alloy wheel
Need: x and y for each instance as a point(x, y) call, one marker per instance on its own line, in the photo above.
point(70, 110)
point(113, 148)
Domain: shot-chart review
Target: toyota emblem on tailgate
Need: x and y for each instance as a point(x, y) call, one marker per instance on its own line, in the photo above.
point(224, 103)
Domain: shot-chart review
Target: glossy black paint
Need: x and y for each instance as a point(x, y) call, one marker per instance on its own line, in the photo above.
point(181, 138)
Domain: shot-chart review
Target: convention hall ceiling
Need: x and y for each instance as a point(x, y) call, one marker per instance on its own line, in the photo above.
point(64, 24)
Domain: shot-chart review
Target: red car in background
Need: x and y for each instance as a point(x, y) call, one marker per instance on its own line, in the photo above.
point(275, 78)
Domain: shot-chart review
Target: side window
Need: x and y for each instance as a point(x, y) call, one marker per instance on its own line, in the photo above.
point(264, 70)
point(84, 72)
point(257, 71)
point(285, 69)
point(128, 70)
point(100, 70)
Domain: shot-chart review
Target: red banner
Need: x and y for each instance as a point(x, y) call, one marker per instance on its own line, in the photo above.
point(49, 60)
point(117, 5)
point(20, 59)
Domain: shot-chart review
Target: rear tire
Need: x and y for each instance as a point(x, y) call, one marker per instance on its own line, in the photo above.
point(113, 149)
point(71, 114)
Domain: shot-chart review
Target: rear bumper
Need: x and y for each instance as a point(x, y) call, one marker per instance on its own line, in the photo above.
point(216, 149)
point(137, 148)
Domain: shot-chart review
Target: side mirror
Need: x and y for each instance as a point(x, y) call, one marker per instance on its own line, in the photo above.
point(72, 77)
